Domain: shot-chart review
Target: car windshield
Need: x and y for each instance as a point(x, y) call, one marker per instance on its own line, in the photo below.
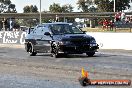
point(64, 29)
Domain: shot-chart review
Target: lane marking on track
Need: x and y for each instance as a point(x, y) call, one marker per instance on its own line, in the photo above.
point(118, 54)
point(60, 59)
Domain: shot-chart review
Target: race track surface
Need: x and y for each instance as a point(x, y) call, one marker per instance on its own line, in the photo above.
point(20, 70)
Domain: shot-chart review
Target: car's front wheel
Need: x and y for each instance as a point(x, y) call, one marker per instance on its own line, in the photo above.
point(33, 53)
point(54, 51)
point(90, 54)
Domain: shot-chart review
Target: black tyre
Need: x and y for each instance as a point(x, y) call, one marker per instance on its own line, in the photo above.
point(90, 54)
point(56, 54)
point(84, 81)
point(54, 51)
point(32, 52)
point(28, 47)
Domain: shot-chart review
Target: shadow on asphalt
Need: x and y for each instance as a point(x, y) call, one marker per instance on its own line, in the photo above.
point(105, 55)
point(85, 56)
point(43, 55)
point(3, 52)
point(78, 55)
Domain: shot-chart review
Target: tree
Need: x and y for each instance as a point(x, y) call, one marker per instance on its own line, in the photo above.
point(104, 5)
point(30, 9)
point(55, 8)
point(67, 8)
point(6, 2)
point(92, 9)
point(26, 9)
point(84, 5)
point(35, 9)
point(6, 6)
point(109, 5)
point(122, 5)
point(11, 9)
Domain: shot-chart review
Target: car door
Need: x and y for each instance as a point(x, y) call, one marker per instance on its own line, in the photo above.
point(43, 41)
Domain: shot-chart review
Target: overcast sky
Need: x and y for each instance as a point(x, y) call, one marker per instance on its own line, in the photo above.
point(45, 3)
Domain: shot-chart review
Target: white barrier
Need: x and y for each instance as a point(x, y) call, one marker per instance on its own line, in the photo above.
point(105, 40)
point(11, 37)
point(113, 40)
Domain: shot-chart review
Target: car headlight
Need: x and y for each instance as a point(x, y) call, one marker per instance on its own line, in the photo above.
point(64, 42)
point(92, 40)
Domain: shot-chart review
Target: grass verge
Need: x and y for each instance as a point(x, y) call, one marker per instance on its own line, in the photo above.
point(122, 30)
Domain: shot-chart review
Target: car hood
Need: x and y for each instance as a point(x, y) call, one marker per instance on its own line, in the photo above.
point(67, 37)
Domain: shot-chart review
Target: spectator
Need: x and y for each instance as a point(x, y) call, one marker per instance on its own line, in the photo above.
point(118, 16)
point(105, 24)
point(111, 25)
point(123, 16)
point(127, 20)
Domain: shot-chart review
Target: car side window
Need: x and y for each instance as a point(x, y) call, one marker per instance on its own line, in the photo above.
point(41, 30)
point(55, 29)
point(45, 29)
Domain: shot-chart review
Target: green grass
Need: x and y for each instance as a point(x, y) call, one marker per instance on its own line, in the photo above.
point(122, 30)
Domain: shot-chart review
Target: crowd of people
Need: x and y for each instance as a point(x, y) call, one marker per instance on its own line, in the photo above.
point(107, 24)
point(119, 17)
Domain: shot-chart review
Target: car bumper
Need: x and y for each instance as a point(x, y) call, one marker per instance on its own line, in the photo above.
point(78, 49)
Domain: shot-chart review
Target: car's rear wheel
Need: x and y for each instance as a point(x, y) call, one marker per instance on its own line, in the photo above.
point(31, 50)
point(28, 47)
point(90, 54)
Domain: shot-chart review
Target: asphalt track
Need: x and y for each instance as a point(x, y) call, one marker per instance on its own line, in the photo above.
point(19, 70)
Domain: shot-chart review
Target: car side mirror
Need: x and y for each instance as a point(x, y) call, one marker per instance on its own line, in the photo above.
point(47, 34)
point(84, 32)
point(29, 30)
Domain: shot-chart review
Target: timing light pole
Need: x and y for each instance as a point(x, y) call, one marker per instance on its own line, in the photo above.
point(40, 13)
point(114, 5)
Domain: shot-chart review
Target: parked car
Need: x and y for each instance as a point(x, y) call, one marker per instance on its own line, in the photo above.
point(59, 38)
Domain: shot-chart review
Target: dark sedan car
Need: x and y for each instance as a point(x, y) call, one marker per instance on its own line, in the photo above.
point(60, 38)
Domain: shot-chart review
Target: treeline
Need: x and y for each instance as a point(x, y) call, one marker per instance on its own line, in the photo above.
point(6, 6)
